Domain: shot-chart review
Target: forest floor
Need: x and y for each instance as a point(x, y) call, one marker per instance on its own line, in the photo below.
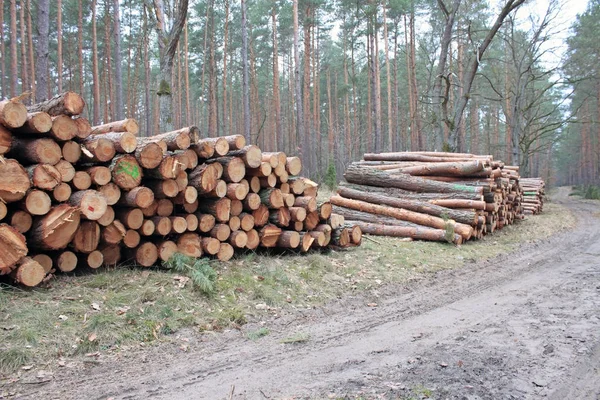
point(515, 315)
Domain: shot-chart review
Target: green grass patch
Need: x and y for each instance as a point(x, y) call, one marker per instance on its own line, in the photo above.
point(300, 337)
point(257, 334)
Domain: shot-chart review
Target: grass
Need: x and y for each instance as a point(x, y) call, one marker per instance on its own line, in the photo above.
point(590, 192)
point(300, 337)
point(110, 311)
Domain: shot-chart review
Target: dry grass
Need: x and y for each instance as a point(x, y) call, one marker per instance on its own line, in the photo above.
point(112, 311)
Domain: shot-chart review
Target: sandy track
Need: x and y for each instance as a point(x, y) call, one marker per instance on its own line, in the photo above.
point(524, 326)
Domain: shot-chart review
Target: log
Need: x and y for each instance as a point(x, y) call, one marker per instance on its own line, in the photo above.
point(124, 142)
point(191, 222)
point(189, 244)
point(147, 228)
point(311, 188)
point(210, 245)
point(469, 204)
point(271, 158)
point(251, 202)
point(126, 172)
point(100, 175)
point(268, 182)
point(237, 191)
point(289, 200)
point(311, 221)
point(44, 176)
point(443, 169)
point(114, 233)
point(12, 248)
point(237, 207)
point(319, 238)
point(309, 203)
point(324, 209)
point(65, 261)
point(162, 225)
point(111, 192)
point(36, 202)
point(205, 222)
point(81, 180)
point(236, 142)
point(148, 156)
point(340, 237)
point(204, 178)
point(14, 181)
point(98, 150)
point(61, 193)
point(430, 208)
point(261, 215)
point(84, 128)
point(111, 255)
point(269, 235)
point(21, 221)
point(421, 219)
point(35, 151)
point(406, 194)
point(146, 254)
point(238, 239)
point(280, 217)
point(272, 198)
point(132, 218)
point(71, 151)
point(285, 188)
point(132, 239)
point(37, 123)
point(66, 170)
point(127, 125)
point(251, 155)
point(255, 184)
point(28, 272)
point(234, 168)
point(45, 261)
point(306, 241)
point(182, 180)
point(234, 223)
point(69, 103)
point(108, 217)
point(91, 203)
point(166, 188)
point(420, 233)
point(288, 240)
point(219, 145)
point(5, 140)
point(166, 249)
point(335, 220)
point(3, 210)
point(178, 225)
point(220, 209)
point(87, 237)
point(165, 207)
point(218, 192)
point(63, 128)
point(226, 252)
point(13, 114)
point(56, 229)
point(246, 221)
point(293, 165)
point(297, 213)
point(95, 259)
point(373, 177)
point(297, 185)
point(220, 232)
point(253, 239)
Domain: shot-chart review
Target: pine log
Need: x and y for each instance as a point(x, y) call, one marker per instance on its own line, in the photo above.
point(255, 184)
point(166, 249)
point(56, 229)
point(165, 207)
point(132, 239)
point(205, 222)
point(210, 245)
point(289, 200)
point(190, 244)
point(108, 217)
point(309, 203)
point(279, 170)
point(306, 241)
point(341, 237)
point(66, 170)
point(246, 221)
point(470, 204)
point(81, 180)
point(236, 142)
point(443, 169)
point(91, 203)
point(132, 218)
point(35, 151)
point(149, 156)
point(36, 202)
point(12, 248)
point(421, 219)
point(98, 150)
point(28, 272)
point(311, 188)
point(111, 255)
point(297, 214)
point(191, 222)
point(166, 188)
point(280, 217)
point(288, 240)
point(251, 202)
point(297, 185)
point(271, 158)
point(311, 221)
point(234, 223)
point(147, 228)
point(5, 140)
point(268, 182)
point(261, 215)
point(335, 220)
point(272, 198)
point(236, 191)
point(324, 209)
point(220, 209)
point(84, 128)
point(237, 207)
point(220, 232)
point(218, 192)
point(21, 221)
point(219, 145)
point(100, 175)
point(204, 178)
point(37, 123)
point(14, 181)
point(293, 165)
point(178, 224)
point(111, 192)
point(87, 237)
point(127, 125)
point(126, 172)
point(409, 195)
point(146, 254)
point(251, 155)
point(44, 176)
point(430, 208)
point(419, 233)
point(63, 128)
point(13, 114)
point(253, 239)
point(269, 235)
point(234, 168)
point(94, 260)
point(68, 103)
point(175, 140)
point(65, 261)
point(226, 252)
point(182, 180)
point(113, 233)
point(283, 177)
point(285, 188)
point(45, 261)
point(3, 210)
point(162, 225)
point(319, 238)
point(71, 151)
point(355, 233)
point(238, 239)
point(124, 142)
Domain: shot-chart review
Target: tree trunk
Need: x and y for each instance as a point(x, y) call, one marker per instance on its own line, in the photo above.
point(42, 53)
point(95, 73)
point(245, 74)
point(119, 110)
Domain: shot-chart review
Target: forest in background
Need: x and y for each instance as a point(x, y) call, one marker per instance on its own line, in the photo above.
point(325, 79)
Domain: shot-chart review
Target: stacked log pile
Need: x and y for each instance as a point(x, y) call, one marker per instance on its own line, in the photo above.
point(451, 197)
point(533, 195)
point(73, 195)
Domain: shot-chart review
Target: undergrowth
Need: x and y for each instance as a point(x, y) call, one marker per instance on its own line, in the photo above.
point(203, 276)
point(590, 192)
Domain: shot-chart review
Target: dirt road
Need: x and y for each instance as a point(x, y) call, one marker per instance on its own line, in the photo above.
point(525, 326)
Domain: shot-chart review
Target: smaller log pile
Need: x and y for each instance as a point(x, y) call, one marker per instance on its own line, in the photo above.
point(73, 195)
point(452, 197)
point(533, 195)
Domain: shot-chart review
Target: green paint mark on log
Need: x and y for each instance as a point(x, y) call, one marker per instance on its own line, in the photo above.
point(130, 169)
point(465, 188)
